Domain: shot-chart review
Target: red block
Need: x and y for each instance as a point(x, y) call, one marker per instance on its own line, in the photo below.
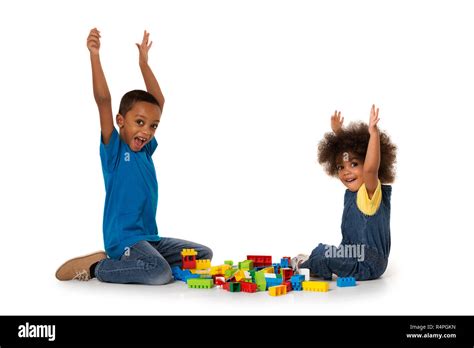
point(260, 260)
point(248, 287)
point(288, 286)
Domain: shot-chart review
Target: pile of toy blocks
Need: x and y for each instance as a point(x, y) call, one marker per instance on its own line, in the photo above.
point(256, 273)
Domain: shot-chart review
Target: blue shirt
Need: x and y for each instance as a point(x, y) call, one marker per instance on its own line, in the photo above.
point(131, 195)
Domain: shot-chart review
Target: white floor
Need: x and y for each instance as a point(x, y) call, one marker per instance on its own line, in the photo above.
point(395, 293)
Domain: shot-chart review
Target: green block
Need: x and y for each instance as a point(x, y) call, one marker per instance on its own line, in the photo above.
point(228, 262)
point(246, 265)
point(200, 283)
point(230, 272)
point(260, 281)
point(234, 287)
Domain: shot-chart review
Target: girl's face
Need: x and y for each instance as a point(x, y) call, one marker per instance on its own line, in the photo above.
point(349, 170)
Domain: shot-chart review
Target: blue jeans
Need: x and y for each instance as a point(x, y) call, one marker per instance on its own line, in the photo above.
point(148, 262)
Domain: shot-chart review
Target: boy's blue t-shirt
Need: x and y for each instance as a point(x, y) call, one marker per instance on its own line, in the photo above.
point(131, 195)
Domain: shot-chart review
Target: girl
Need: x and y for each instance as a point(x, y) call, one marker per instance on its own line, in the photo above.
point(363, 158)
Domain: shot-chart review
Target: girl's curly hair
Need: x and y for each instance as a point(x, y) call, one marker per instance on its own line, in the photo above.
point(355, 139)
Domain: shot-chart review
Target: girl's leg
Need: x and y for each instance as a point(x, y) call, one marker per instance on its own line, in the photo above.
point(171, 249)
point(326, 260)
point(141, 264)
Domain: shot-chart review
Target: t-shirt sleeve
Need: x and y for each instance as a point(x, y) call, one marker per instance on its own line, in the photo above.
point(109, 152)
point(151, 146)
point(365, 204)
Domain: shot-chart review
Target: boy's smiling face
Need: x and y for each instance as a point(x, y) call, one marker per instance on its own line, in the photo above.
point(350, 171)
point(138, 126)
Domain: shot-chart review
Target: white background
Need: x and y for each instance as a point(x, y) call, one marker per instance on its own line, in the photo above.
point(250, 87)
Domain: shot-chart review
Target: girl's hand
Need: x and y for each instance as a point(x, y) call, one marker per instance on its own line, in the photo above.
point(93, 41)
point(336, 122)
point(374, 119)
point(143, 48)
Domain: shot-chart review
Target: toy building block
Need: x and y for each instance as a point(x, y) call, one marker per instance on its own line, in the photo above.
point(315, 286)
point(203, 264)
point(246, 265)
point(239, 275)
point(219, 270)
point(297, 278)
point(260, 281)
point(229, 273)
point(276, 268)
point(200, 271)
point(277, 290)
point(234, 287)
point(260, 260)
point(199, 283)
point(268, 270)
point(188, 257)
point(288, 286)
point(248, 287)
point(273, 282)
point(286, 273)
point(180, 274)
point(270, 275)
point(346, 281)
point(228, 262)
point(285, 262)
point(305, 272)
point(218, 280)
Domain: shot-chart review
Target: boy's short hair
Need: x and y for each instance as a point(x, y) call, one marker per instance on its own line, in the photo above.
point(130, 98)
point(355, 139)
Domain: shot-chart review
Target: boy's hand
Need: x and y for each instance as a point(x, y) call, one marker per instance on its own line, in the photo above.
point(93, 41)
point(143, 48)
point(374, 119)
point(336, 122)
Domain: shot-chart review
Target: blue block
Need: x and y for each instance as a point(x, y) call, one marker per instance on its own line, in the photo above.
point(284, 263)
point(273, 282)
point(346, 281)
point(297, 278)
point(177, 273)
point(297, 286)
point(276, 268)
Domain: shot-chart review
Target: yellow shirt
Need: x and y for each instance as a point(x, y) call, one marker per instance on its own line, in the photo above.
point(365, 204)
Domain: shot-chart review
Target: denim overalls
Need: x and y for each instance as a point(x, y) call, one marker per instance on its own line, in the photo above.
point(370, 233)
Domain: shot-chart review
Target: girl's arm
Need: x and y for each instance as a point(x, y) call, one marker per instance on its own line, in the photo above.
point(336, 122)
point(372, 158)
point(151, 82)
point(101, 90)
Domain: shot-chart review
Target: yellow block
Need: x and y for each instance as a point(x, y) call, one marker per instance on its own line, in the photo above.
point(219, 269)
point(188, 252)
point(315, 286)
point(203, 264)
point(277, 290)
point(268, 270)
point(239, 275)
point(199, 271)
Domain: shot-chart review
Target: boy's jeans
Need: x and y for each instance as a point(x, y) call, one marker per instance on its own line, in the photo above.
point(148, 262)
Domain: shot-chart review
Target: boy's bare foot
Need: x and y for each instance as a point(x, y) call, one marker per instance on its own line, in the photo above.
point(79, 267)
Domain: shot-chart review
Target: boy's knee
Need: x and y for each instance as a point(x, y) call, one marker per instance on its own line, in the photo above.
point(206, 253)
point(159, 272)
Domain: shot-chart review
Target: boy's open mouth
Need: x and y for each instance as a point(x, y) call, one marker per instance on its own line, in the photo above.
point(350, 180)
point(139, 141)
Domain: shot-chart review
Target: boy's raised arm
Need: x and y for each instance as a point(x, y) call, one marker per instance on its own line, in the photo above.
point(372, 158)
point(151, 82)
point(101, 90)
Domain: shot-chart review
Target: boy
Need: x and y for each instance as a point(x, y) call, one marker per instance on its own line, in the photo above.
point(136, 253)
